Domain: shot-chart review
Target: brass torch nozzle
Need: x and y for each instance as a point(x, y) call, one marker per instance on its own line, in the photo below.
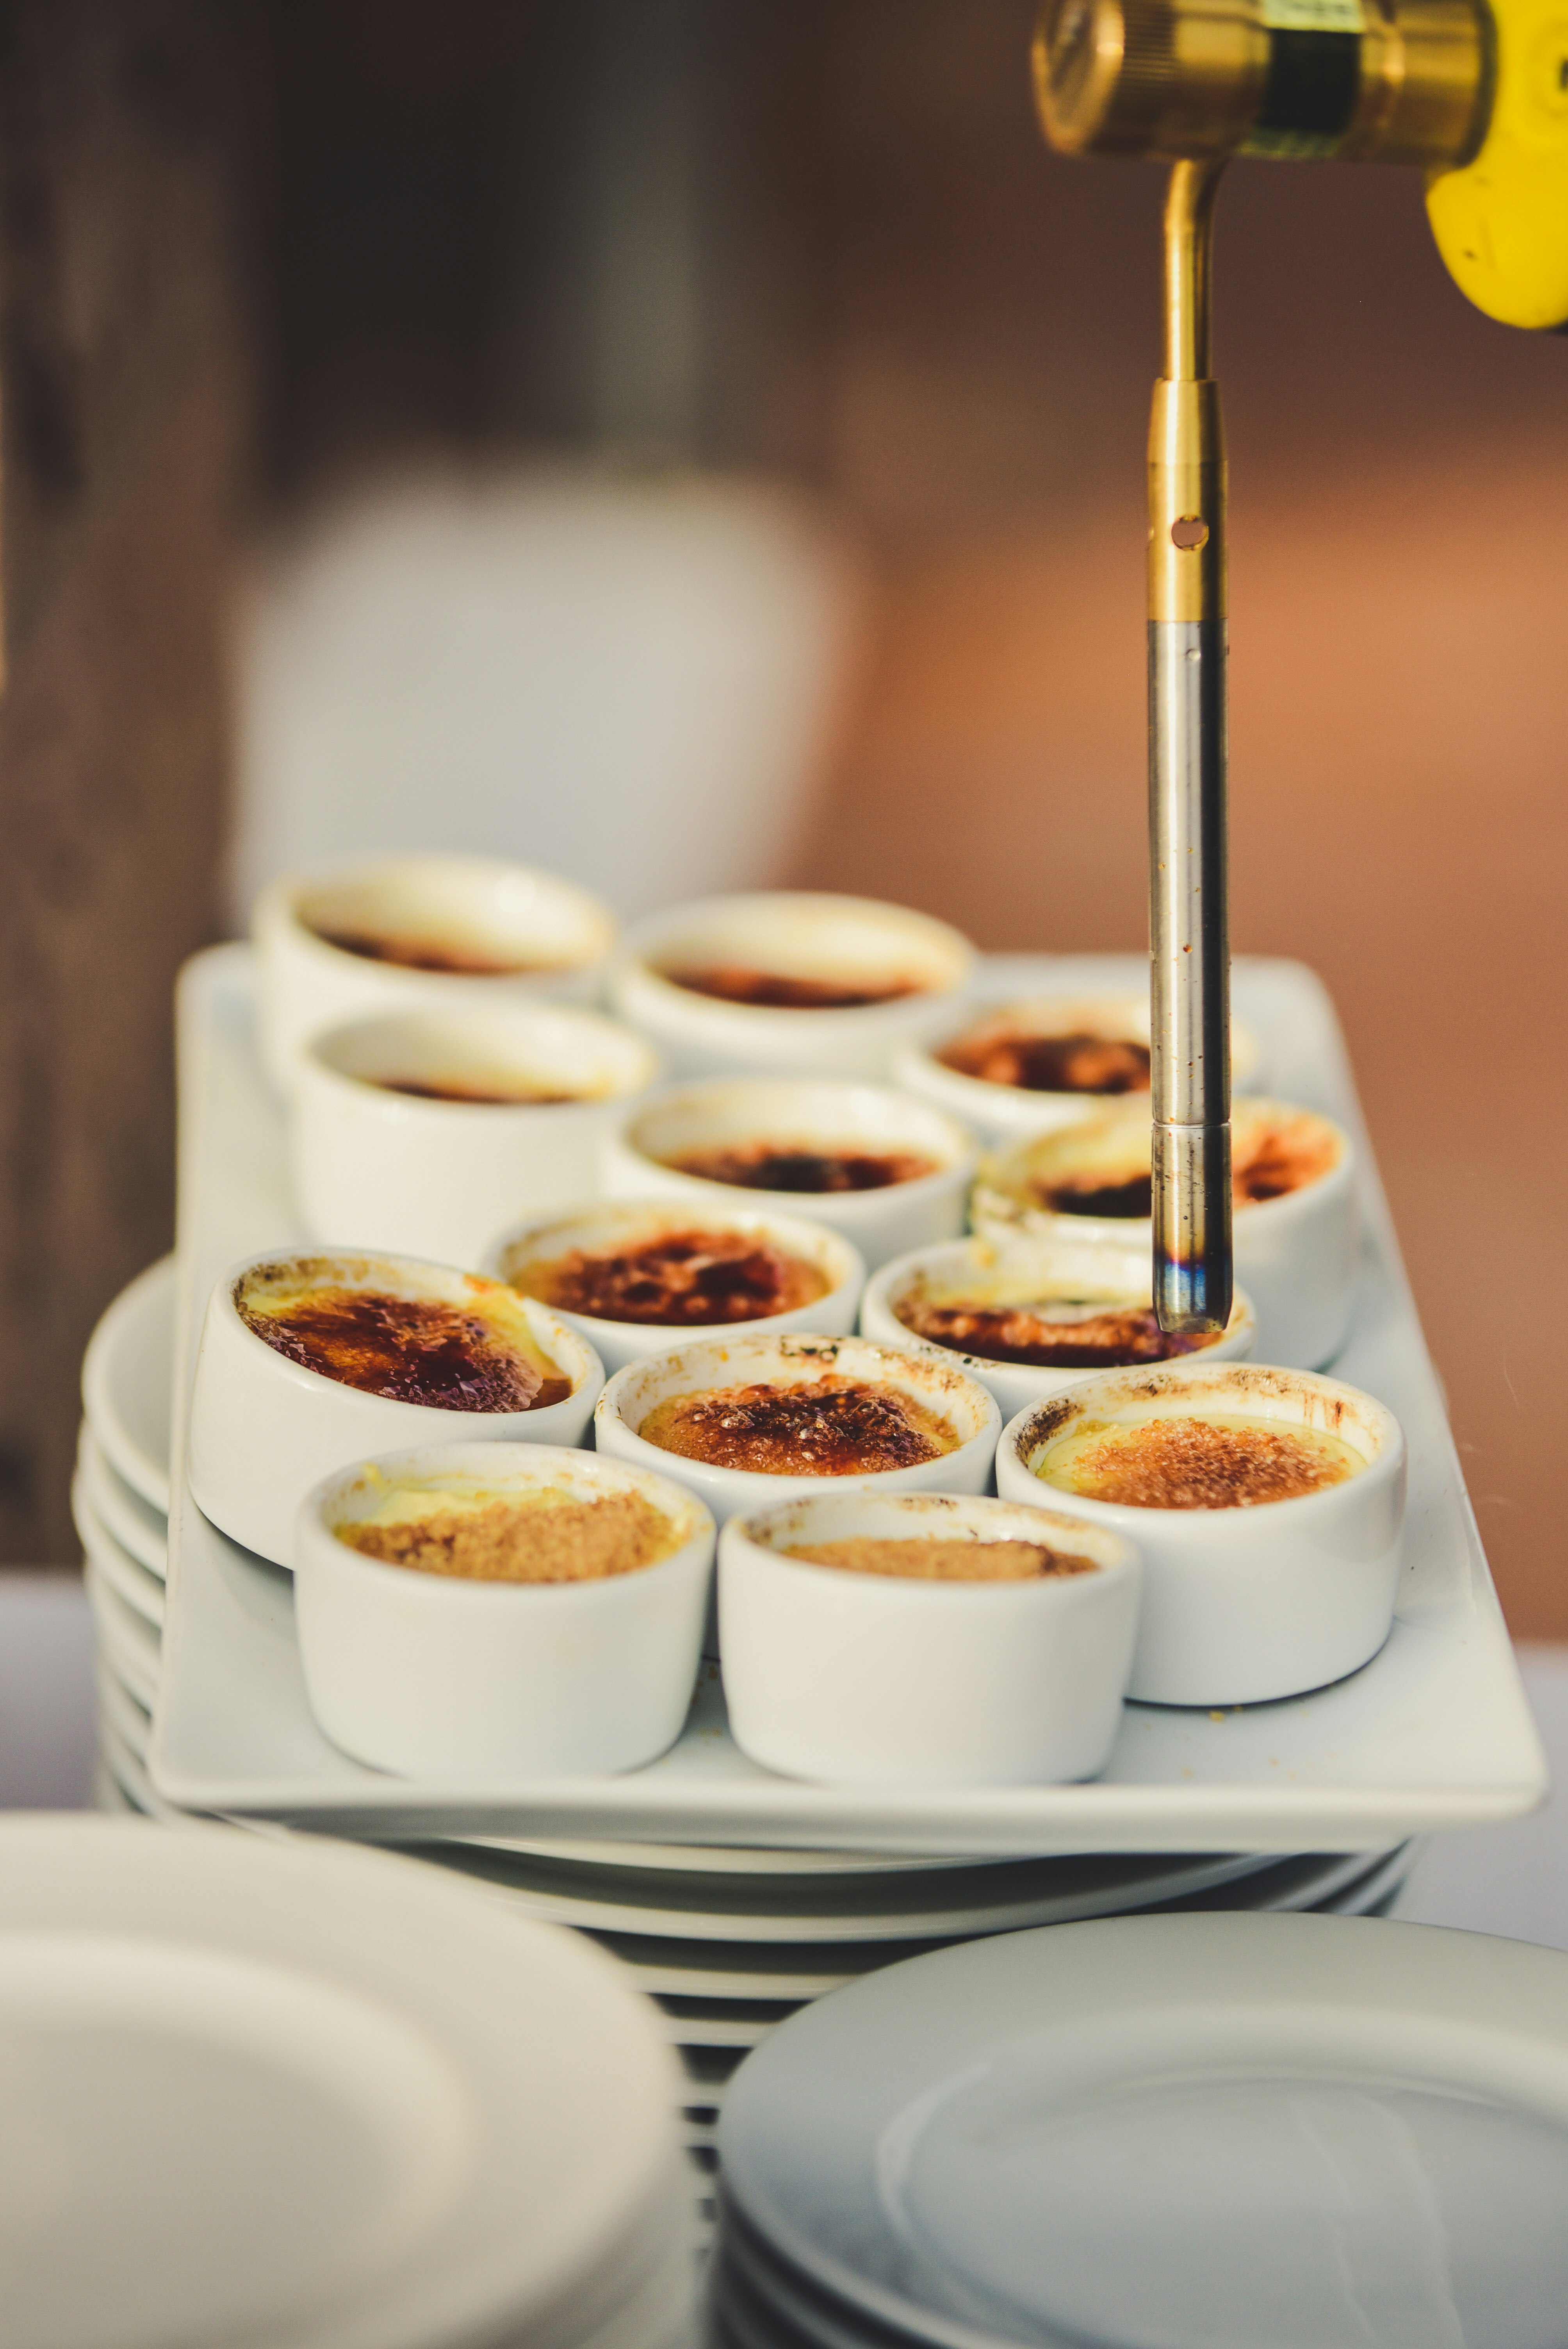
point(1398, 81)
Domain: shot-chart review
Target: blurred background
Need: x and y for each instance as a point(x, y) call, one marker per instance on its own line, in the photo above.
point(695, 443)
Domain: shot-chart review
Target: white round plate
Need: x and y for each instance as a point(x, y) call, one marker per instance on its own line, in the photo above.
point(126, 1640)
point(129, 1721)
point(787, 1974)
point(142, 1529)
point(712, 1859)
point(128, 1372)
point(1175, 2132)
point(123, 1574)
point(300, 2092)
point(989, 1896)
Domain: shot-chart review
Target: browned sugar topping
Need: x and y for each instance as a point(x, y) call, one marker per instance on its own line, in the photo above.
point(1087, 1195)
point(1275, 1160)
point(1015, 1334)
point(687, 1279)
point(737, 983)
point(1050, 1064)
point(414, 1349)
point(833, 1426)
point(520, 1095)
point(781, 1166)
point(944, 1561)
point(427, 954)
point(517, 1541)
point(1189, 1464)
point(1279, 1160)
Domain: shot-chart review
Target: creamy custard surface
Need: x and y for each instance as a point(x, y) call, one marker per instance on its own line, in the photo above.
point(1219, 1460)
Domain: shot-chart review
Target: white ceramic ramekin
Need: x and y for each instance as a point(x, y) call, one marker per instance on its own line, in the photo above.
point(1241, 1605)
point(436, 1676)
point(1001, 1114)
point(437, 1177)
point(874, 1680)
point(1297, 1255)
point(617, 1344)
point(265, 1430)
point(1020, 1270)
point(555, 935)
point(789, 934)
point(729, 1111)
point(632, 1393)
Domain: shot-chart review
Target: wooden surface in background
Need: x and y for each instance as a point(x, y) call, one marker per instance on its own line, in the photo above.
point(123, 434)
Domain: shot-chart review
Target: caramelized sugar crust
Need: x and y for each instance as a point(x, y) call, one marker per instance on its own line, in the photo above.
point(1270, 1161)
point(686, 1279)
point(1191, 1464)
point(833, 1426)
point(542, 1537)
point(413, 1350)
point(521, 1095)
point(1107, 1340)
point(1079, 1063)
point(739, 983)
point(426, 954)
point(781, 1167)
point(1090, 1194)
point(944, 1561)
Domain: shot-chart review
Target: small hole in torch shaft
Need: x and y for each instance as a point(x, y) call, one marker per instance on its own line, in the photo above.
point(1188, 532)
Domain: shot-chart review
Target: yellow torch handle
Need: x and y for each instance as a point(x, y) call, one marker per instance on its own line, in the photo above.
point(1501, 220)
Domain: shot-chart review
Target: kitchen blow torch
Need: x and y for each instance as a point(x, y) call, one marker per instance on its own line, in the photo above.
point(1475, 94)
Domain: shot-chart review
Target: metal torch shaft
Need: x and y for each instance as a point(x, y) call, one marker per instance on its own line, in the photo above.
point(1189, 925)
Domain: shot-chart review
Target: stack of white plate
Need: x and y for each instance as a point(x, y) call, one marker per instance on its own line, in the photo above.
point(299, 2092)
point(1183, 2132)
point(727, 1943)
point(119, 1499)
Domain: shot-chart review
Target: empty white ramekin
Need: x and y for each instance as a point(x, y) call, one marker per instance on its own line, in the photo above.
point(1298, 1255)
point(617, 1344)
point(553, 936)
point(437, 1676)
point(437, 1178)
point(265, 1430)
point(794, 1111)
point(1001, 1114)
point(1018, 1269)
point(632, 1393)
point(1241, 1605)
point(789, 934)
point(875, 1680)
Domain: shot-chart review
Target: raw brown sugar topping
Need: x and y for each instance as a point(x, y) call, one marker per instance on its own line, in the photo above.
point(686, 1279)
point(544, 1537)
point(833, 1426)
point(1107, 1340)
point(944, 1561)
point(737, 983)
point(783, 1166)
point(413, 1350)
point(1050, 1064)
point(425, 954)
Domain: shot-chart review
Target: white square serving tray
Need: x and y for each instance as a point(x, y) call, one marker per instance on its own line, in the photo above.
point(1435, 1732)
